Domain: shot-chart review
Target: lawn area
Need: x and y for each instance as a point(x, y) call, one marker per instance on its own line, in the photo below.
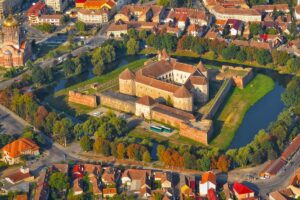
point(59, 102)
point(175, 139)
point(230, 118)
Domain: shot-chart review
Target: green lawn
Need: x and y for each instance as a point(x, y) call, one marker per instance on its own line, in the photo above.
point(229, 119)
point(59, 101)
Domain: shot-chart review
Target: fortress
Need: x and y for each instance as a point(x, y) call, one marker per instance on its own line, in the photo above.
point(168, 80)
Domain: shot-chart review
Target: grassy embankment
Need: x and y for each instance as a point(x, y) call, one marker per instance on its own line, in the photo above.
point(232, 114)
point(59, 100)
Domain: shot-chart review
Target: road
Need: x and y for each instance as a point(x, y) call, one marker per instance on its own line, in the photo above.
point(263, 186)
point(54, 153)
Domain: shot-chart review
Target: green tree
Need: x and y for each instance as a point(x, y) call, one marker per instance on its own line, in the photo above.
point(80, 26)
point(62, 130)
point(86, 143)
point(132, 47)
point(146, 156)
point(143, 34)
point(59, 181)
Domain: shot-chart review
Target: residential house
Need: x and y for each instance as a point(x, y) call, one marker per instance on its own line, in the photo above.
point(108, 177)
point(186, 190)
point(246, 15)
point(165, 179)
point(211, 194)
point(109, 192)
point(93, 16)
point(269, 8)
point(13, 151)
point(57, 5)
point(136, 179)
point(42, 187)
point(76, 187)
point(20, 175)
point(21, 197)
point(117, 30)
point(50, 19)
point(208, 181)
point(236, 26)
point(242, 191)
point(276, 195)
point(36, 10)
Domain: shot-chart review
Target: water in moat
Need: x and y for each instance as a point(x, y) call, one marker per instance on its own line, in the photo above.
point(261, 114)
point(258, 117)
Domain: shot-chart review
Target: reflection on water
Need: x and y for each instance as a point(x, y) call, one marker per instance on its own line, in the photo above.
point(259, 117)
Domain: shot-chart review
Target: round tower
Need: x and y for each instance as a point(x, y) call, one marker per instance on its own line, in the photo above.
point(183, 99)
point(127, 82)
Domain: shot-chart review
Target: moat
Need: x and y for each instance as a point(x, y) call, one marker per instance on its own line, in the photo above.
point(258, 117)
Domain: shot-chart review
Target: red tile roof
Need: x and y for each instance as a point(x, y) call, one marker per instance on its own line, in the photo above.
point(211, 194)
point(36, 8)
point(241, 189)
point(17, 147)
point(182, 92)
point(146, 100)
point(127, 74)
point(291, 149)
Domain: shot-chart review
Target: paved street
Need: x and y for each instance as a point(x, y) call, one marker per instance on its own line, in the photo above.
point(9, 125)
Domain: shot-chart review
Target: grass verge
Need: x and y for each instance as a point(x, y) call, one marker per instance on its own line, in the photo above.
point(59, 100)
point(232, 115)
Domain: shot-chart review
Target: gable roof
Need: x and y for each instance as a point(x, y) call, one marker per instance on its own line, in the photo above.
point(209, 177)
point(241, 189)
point(182, 92)
point(127, 74)
point(15, 148)
point(146, 100)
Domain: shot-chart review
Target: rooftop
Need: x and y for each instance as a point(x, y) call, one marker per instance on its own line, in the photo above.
point(17, 147)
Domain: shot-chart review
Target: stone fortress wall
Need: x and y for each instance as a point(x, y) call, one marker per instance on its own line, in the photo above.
point(240, 76)
point(83, 99)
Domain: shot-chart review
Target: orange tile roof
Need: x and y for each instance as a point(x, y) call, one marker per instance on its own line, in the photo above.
point(127, 74)
point(236, 11)
point(18, 146)
point(182, 92)
point(109, 191)
point(146, 100)
point(209, 177)
point(22, 197)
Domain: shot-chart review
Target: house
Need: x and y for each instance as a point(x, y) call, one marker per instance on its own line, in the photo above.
point(242, 191)
point(109, 192)
point(95, 186)
point(22, 174)
point(195, 30)
point(165, 179)
point(16, 181)
point(208, 181)
point(63, 168)
point(186, 187)
point(42, 187)
point(211, 194)
point(54, 19)
point(76, 187)
point(108, 177)
point(117, 30)
point(35, 11)
point(93, 16)
point(13, 151)
point(236, 26)
point(277, 196)
point(21, 197)
point(135, 179)
point(78, 171)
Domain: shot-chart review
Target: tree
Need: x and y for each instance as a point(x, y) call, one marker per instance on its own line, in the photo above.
point(146, 156)
point(255, 29)
point(133, 34)
point(223, 163)
point(241, 56)
point(69, 67)
point(121, 150)
point(80, 26)
point(40, 116)
point(132, 47)
point(143, 34)
point(160, 151)
point(163, 2)
point(263, 56)
point(86, 143)
point(98, 69)
point(62, 130)
point(38, 76)
point(59, 181)
point(293, 65)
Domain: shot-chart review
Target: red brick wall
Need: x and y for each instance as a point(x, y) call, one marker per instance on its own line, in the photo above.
point(193, 133)
point(87, 100)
